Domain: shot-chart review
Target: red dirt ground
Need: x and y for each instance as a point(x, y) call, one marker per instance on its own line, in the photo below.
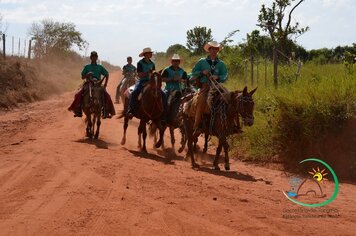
point(53, 181)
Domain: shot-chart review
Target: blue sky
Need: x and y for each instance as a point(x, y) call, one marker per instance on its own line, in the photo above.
point(120, 28)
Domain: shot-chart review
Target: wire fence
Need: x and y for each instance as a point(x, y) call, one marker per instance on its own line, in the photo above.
point(15, 46)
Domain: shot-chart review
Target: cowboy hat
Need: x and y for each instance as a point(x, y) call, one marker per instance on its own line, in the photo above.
point(213, 44)
point(145, 50)
point(176, 57)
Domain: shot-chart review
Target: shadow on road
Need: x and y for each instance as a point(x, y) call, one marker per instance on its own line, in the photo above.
point(229, 174)
point(97, 142)
point(167, 160)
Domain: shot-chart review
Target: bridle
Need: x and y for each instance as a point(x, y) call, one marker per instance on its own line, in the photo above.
point(242, 100)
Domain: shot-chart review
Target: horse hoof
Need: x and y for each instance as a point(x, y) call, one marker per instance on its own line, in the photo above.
point(123, 142)
point(195, 166)
point(96, 136)
point(159, 144)
point(144, 152)
point(180, 150)
point(205, 150)
point(227, 167)
point(216, 168)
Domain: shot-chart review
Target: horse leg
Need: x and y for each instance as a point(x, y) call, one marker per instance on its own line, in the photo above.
point(87, 128)
point(161, 133)
point(126, 124)
point(206, 136)
point(190, 138)
point(139, 133)
point(216, 160)
point(144, 135)
point(90, 127)
point(183, 140)
point(226, 150)
point(191, 154)
point(98, 123)
point(171, 130)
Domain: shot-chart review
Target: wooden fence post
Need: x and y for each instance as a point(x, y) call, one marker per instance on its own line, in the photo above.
point(3, 46)
point(29, 49)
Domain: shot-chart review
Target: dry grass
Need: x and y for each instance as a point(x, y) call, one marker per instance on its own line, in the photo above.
point(23, 80)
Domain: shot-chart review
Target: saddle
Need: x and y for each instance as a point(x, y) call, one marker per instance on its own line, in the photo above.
point(131, 89)
point(189, 107)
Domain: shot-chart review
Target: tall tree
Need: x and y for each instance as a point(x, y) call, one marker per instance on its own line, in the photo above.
point(55, 37)
point(272, 20)
point(197, 38)
point(174, 49)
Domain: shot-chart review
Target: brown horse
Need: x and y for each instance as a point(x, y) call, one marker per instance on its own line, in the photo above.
point(221, 122)
point(92, 106)
point(173, 116)
point(149, 108)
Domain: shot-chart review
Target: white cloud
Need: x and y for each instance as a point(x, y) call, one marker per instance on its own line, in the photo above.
point(123, 27)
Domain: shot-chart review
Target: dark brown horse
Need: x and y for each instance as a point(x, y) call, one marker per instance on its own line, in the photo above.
point(173, 116)
point(92, 106)
point(221, 122)
point(149, 108)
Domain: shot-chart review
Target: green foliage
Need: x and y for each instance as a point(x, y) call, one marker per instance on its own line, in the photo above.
point(197, 38)
point(227, 40)
point(272, 20)
point(176, 48)
point(300, 116)
point(53, 37)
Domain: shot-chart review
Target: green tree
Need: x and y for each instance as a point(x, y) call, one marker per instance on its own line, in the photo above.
point(175, 48)
point(228, 37)
point(197, 38)
point(272, 20)
point(55, 37)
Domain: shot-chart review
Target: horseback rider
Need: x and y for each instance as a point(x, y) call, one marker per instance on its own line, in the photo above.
point(207, 69)
point(173, 76)
point(144, 69)
point(129, 72)
point(93, 71)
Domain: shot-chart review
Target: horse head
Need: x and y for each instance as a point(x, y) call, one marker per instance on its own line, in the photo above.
point(155, 81)
point(95, 92)
point(244, 105)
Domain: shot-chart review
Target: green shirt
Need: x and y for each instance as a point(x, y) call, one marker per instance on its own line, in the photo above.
point(143, 66)
point(129, 70)
point(216, 67)
point(96, 69)
point(170, 74)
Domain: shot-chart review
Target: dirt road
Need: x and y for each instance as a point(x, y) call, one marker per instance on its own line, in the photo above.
point(53, 181)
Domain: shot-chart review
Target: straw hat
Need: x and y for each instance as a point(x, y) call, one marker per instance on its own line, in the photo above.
point(175, 57)
point(145, 50)
point(213, 44)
